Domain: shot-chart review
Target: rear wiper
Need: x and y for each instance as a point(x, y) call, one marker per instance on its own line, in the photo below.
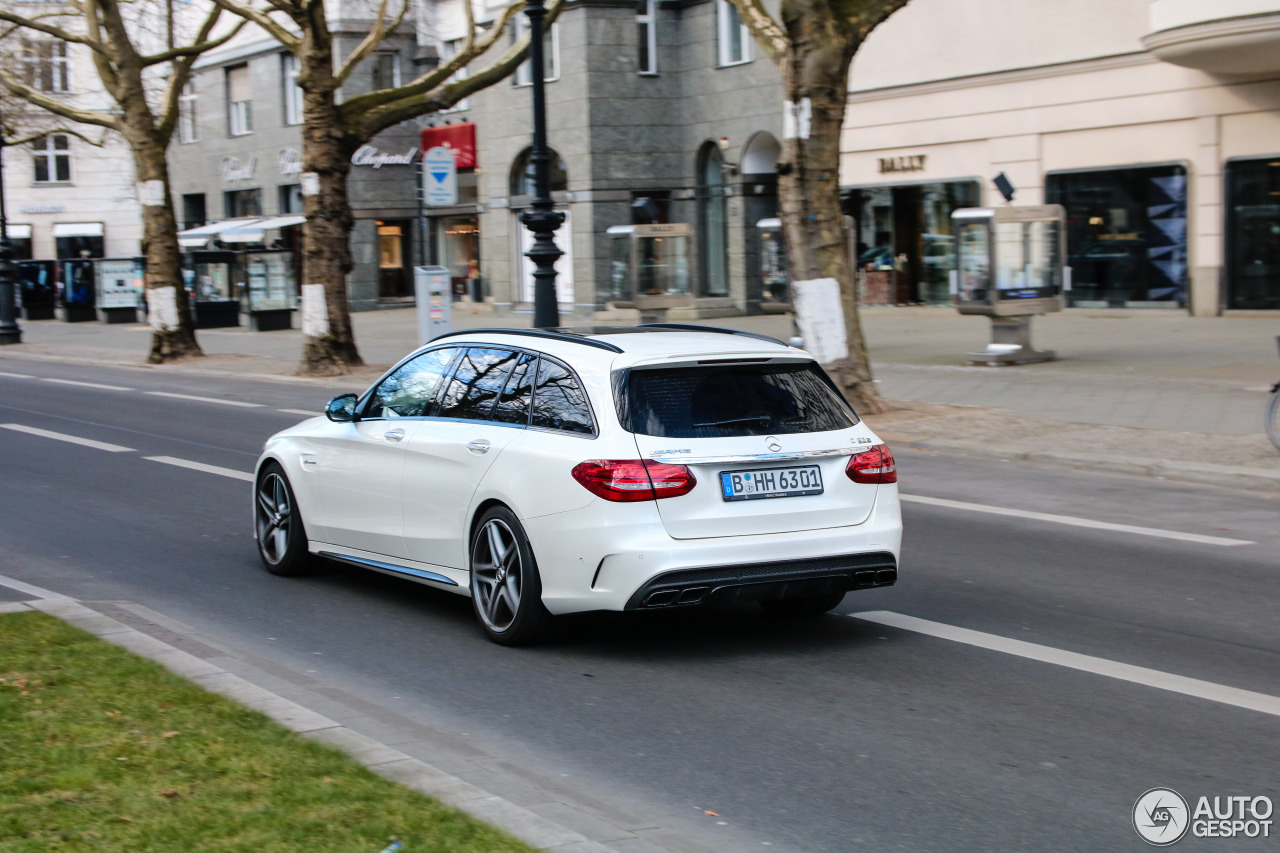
point(754, 419)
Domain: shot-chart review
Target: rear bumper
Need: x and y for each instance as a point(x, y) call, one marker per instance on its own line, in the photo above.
point(610, 556)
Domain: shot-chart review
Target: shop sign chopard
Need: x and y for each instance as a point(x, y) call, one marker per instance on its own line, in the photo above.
point(909, 163)
point(233, 170)
point(368, 155)
point(289, 161)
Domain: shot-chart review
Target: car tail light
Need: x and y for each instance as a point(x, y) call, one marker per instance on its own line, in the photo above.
point(626, 480)
point(874, 465)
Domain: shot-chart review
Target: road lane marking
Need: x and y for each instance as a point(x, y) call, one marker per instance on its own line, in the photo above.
point(200, 466)
point(205, 399)
point(306, 412)
point(1077, 522)
point(16, 376)
point(97, 385)
point(1247, 699)
point(73, 439)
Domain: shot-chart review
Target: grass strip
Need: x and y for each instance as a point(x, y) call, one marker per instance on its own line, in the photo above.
point(105, 751)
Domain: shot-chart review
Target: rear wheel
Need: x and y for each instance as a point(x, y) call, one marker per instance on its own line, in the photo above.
point(506, 591)
point(282, 540)
point(809, 605)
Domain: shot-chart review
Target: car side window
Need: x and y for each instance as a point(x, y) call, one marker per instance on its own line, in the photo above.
point(514, 401)
point(476, 383)
point(408, 392)
point(559, 401)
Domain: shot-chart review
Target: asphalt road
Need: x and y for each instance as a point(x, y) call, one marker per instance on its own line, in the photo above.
point(845, 732)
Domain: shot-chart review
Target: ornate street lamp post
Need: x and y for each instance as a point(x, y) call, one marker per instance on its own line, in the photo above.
point(541, 218)
point(9, 331)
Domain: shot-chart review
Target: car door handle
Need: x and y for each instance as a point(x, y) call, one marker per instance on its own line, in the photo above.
point(480, 445)
point(393, 434)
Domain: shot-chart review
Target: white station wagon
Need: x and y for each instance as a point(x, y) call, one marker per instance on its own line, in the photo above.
point(552, 472)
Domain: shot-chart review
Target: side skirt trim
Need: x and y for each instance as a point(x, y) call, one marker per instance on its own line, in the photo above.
point(389, 567)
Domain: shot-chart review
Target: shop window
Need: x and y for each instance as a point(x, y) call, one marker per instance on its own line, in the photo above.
point(1253, 234)
point(647, 37)
point(393, 256)
point(292, 94)
point(1126, 235)
point(733, 39)
point(45, 66)
point(188, 115)
point(51, 159)
point(522, 174)
point(458, 248)
point(238, 203)
point(713, 235)
point(194, 213)
point(239, 101)
point(291, 198)
point(550, 53)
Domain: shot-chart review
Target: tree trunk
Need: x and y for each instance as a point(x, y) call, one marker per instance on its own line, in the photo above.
point(173, 330)
point(815, 72)
point(326, 241)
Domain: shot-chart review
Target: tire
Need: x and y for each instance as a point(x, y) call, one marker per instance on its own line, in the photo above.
point(1273, 417)
point(809, 605)
point(506, 590)
point(277, 524)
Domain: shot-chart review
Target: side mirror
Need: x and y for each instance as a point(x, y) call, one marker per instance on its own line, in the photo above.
point(341, 409)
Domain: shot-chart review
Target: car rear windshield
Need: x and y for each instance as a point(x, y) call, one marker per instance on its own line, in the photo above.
point(730, 400)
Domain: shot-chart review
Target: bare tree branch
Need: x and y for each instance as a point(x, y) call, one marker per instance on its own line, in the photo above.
point(199, 47)
point(67, 131)
point(766, 31)
point(55, 106)
point(51, 30)
point(371, 40)
point(264, 20)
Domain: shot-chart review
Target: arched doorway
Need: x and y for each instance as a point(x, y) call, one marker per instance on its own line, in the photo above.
point(521, 187)
point(764, 256)
point(713, 236)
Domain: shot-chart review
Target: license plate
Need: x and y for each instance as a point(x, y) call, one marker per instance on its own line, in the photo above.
point(771, 483)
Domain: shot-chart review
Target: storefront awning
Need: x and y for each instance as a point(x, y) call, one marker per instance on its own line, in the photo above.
point(19, 232)
point(198, 238)
point(77, 229)
point(255, 232)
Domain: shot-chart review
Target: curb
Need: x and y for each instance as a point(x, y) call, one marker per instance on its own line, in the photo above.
point(533, 829)
point(1230, 476)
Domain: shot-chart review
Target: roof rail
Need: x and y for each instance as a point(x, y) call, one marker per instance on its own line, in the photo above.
point(535, 333)
point(691, 327)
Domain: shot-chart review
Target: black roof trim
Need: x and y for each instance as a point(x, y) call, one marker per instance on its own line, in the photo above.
point(690, 327)
point(534, 333)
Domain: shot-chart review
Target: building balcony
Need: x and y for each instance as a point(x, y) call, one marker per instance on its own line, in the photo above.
point(1221, 37)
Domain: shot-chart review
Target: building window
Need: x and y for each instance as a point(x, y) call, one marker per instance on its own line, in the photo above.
point(713, 231)
point(239, 101)
point(237, 203)
point(550, 54)
point(45, 66)
point(193, 211)
point(1253, 234)
point(51, 156)
point(733, 39)
point(647, 37)
point(386, 71)
point(291, 198)
point(292, 93)
point(1126, 235)
point(188, 116)
point(522, 174)
point(451, 49)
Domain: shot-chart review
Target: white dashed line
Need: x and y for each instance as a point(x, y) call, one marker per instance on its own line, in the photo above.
point(299, 412)
point(1247, 699)
point(73, 439)
point(1077, 522)
point(240, 403)
point(97, 385)
point(200, 466)
point(16, 376)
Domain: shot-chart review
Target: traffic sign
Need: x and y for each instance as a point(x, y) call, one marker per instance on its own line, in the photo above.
point(439, 177)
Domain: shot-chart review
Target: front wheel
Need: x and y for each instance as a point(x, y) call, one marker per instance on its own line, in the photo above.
point(1273, 417)
point(506, 591)
point(282, 540)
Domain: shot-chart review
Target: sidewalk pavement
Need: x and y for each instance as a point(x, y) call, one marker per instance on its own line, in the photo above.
point(1148, 392)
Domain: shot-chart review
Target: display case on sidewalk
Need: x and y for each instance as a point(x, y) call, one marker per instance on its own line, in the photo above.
point(38, 285)
point(119, 292)
point(272, 289)
point(78, 290)
point(212, 287)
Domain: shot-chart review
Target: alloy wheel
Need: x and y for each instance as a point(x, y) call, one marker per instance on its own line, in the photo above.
point(274, 517)
point(498, 579)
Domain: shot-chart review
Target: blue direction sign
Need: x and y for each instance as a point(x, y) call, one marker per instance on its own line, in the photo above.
point(439, 177)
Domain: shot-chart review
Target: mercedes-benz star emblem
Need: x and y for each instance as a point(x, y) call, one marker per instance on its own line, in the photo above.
point(773, 444)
